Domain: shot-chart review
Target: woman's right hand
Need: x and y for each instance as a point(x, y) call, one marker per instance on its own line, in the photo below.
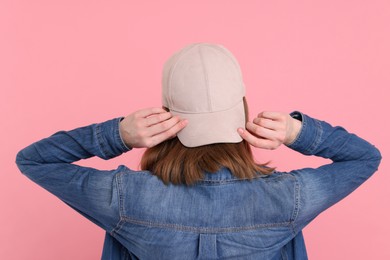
point(271, 129)
point(150, 126)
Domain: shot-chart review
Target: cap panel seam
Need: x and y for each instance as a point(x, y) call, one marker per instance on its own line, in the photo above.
point(206, 80)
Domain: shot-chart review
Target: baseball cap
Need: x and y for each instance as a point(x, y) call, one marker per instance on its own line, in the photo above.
point(202, 82)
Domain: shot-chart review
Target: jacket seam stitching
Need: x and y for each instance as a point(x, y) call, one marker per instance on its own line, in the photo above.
point(117, 227)
point(119, 191)
point(120, 194)
point(297, 203)
point(202, 229)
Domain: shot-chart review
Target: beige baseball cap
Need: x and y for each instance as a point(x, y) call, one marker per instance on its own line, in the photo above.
point(202, 82)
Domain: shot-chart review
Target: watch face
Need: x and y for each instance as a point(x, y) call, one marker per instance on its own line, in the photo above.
point(296, 115)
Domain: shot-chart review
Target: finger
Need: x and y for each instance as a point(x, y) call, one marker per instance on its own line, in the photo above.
point(156, 118)
point(156, 139)
point(272, 115)
point(149, 111)
point(163, 126)
point(261, 131)
point(256, 141)
point(267, 123)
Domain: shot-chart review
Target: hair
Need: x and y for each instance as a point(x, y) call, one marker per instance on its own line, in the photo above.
point(175, 163)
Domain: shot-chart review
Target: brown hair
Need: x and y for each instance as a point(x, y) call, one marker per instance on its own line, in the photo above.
point(175, 163)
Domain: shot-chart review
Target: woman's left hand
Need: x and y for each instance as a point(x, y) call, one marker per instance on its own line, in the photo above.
point(271, 129)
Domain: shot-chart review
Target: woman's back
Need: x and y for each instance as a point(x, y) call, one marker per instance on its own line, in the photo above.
point(219, 217)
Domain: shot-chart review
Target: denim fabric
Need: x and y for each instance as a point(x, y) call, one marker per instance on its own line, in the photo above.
point(221, 217)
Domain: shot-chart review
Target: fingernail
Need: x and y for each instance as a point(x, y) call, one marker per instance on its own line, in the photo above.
point(240, 130)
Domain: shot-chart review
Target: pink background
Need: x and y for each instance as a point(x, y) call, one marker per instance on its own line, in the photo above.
point(65, 64)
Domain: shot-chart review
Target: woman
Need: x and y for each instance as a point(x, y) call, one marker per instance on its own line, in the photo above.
point(200, 194)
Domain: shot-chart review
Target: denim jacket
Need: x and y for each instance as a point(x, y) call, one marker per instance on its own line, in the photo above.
point(220, 217)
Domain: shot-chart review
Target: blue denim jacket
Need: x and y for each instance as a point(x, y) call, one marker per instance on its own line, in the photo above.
point(221, 217)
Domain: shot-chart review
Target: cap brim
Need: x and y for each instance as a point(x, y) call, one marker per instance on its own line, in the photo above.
point(209, 128)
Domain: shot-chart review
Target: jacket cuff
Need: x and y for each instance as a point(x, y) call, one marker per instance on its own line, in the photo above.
point(309, 135)
point(109, 139)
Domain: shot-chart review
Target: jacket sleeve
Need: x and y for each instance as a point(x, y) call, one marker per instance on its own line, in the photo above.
point(354, 160)
point(91, 192)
